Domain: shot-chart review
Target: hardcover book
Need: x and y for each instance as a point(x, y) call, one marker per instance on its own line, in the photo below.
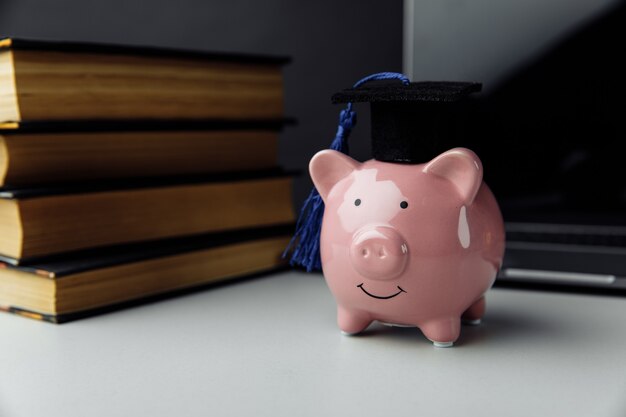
point(42, 80)
point(54, 152)
point(38, 222)
point(94, 281)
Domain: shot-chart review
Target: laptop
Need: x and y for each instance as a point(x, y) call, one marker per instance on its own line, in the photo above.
point(564, 205)
point(552, 139)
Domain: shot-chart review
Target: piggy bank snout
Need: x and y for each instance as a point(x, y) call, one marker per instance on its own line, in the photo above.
point(379, 253)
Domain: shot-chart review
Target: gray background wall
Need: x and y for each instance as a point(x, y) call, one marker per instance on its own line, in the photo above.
point(333, 43)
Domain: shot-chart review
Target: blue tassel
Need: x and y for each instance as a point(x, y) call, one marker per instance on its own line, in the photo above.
point(307, 251)
point(305, 244)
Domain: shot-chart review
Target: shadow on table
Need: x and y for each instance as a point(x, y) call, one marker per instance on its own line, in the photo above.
point(498, 327)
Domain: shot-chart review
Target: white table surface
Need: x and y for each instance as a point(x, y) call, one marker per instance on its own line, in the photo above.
point(270, 347)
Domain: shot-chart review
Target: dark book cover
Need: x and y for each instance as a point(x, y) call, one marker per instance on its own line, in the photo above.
point(94, 126)
point(68, 263)
point(68, 317)
point(23, 192)
point(104, 48)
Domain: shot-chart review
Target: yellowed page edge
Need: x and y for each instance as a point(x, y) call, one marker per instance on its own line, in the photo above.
point(9, 107)
point(4, 160)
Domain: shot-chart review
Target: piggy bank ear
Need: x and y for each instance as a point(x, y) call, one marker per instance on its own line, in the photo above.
point(328, 167)
point(462, 168)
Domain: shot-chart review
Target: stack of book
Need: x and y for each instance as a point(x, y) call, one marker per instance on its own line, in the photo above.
point(128, 173)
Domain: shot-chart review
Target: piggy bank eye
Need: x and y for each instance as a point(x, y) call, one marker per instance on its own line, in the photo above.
point(357, 202)
point(404, 204)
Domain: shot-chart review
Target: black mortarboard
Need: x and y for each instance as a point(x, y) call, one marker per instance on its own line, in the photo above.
point(408, 120)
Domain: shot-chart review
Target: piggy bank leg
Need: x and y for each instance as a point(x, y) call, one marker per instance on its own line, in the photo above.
point(442, 332)
point(352, 322)
point(475, 313)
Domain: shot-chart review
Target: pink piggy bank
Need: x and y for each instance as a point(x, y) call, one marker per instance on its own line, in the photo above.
point(408, 245)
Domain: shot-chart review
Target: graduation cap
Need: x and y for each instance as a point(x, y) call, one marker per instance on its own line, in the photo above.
point(408, 121)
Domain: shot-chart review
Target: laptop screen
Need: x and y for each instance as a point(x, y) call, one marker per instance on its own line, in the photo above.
point(558, 181)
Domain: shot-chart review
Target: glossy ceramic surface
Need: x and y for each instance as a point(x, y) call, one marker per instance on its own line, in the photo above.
point(408, 244)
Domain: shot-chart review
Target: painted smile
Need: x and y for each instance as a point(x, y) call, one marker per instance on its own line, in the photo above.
point(379, 296)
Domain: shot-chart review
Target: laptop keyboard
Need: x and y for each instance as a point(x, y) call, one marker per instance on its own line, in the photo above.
point(559, 234)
